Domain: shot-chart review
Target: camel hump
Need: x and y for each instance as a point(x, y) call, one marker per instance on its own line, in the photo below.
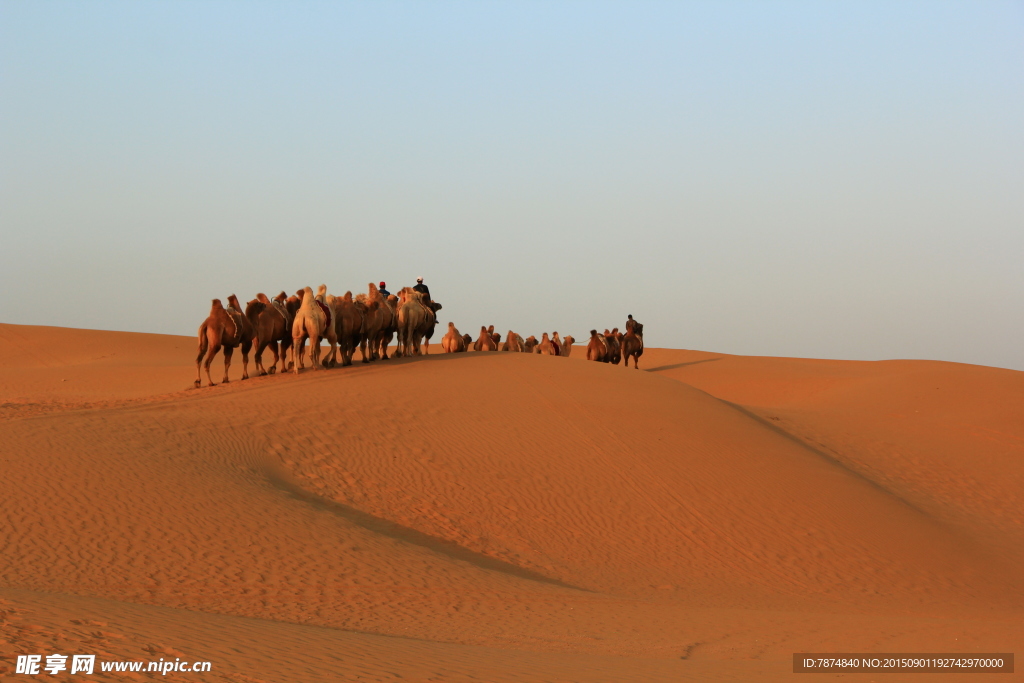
point(348, 296)
point(593, 333)
point(262, 298)
point(451, 326)
point(216, 305)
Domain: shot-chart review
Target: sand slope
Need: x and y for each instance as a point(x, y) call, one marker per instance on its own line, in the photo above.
point(505, 516)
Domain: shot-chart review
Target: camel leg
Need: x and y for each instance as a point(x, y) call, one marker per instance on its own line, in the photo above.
point(385, 340)
point(257, 357)
point(286, 345)
point(228, 352)
point(333, 358)
point(203, 348)
point(246, 346)
point(273, 367)
point(297, 352)
point(211, 354)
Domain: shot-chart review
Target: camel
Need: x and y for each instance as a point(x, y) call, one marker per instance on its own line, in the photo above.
point(494, 336)
point(469, 342)
point(614, 346)
point(548, 347)
point(633, 342)
point(531, 345)
point(313, 320)
point(557, 341)
point(271, 323)
point(381, 322)
point(513, 342)
point(485, 342)
point(224, 327)
point(597, 348)
point(453, 342)
point(567, 343)
point(348, 326)
point(416, 321)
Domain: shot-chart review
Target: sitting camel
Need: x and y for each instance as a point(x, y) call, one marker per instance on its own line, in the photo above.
point(547, 347)
point(513, 342)
point(313, 320)
point(453, 342)
point(567, 343)
point(272, 325)
point(633, 342)
point(228, 328)
point(597, 348)
point(485, 342)
point(531, 345)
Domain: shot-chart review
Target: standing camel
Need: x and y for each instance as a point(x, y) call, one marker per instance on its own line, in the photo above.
point(272, 324)
point(597, 348)
point(313, 321)
point(633, 342)
point(224, 327)
point(348, 326)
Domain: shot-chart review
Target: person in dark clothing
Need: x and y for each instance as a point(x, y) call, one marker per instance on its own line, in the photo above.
point(383, 292)
point(422, 288)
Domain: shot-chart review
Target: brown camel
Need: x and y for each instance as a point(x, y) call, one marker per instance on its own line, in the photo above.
point(228, 328)
point(548, 347)
point(485, 342)
point(531, 345)
point(597, 348)
point(567, 343)
point(271, 323)
point(614, 345)
point(469, 342)
point(416, 321)
point(453, 342)
point(348, 326)
point(633, 342)
point(380, 322)
point(312, 321)
point(513, 343)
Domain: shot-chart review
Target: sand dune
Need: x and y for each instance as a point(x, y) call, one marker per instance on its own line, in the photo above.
point(504, 516)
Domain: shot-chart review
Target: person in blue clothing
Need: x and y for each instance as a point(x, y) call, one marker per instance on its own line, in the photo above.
point(383, 292)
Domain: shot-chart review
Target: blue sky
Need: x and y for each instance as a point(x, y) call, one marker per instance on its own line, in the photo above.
point(802, 179)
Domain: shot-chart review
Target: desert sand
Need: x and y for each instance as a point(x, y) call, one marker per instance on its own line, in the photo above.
point(504, 517)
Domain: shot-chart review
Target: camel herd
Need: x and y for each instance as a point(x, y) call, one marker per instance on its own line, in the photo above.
point(368, 321)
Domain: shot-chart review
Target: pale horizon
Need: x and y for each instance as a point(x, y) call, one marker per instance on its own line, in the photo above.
point(787, 180)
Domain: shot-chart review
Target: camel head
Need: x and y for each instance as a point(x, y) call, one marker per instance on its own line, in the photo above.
point(321, 292)
point(568, 340)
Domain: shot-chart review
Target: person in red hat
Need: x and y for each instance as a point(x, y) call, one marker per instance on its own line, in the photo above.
point(383, 292)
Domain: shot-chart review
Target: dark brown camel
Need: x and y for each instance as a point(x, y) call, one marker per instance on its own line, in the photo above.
point(633, 342)
point(224, 327)
point(272, 324)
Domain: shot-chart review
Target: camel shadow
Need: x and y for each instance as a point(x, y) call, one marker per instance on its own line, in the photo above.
point(681, 365)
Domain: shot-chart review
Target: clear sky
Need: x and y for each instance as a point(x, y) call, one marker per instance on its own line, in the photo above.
point(822, 179)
